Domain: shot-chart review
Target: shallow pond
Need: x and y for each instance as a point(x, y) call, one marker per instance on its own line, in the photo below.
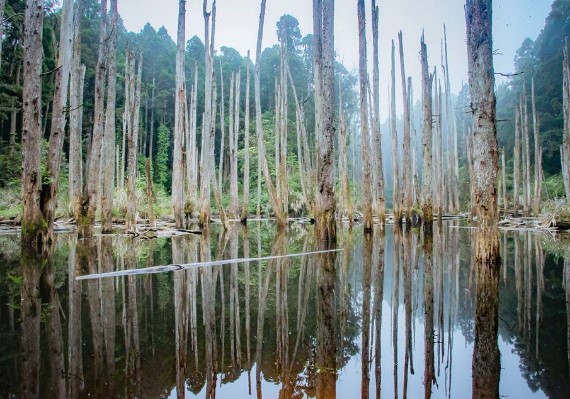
point(393, 315)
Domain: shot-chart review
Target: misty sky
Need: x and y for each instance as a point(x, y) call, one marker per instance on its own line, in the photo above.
point(237, 21)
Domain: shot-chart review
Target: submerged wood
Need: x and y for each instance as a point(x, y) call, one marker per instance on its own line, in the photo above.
point(174, 267)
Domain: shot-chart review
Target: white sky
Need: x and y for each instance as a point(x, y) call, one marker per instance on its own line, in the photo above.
point(237, 22)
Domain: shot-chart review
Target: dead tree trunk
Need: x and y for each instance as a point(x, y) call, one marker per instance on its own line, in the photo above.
point(2, 3)
point(478, 15)
point(504, 181)
point(526, 141)
point(516, 164)
point(234, 202)
point(376, 133)
point(245, 197)
point(108, 165)
point(364, 133)
point(177, 162)
point(537, 149)
point(396, 195)
point(32, 219)
point(407, 164)
point(283, 123)
point(281, 218)
point(76, 117)
point(565, 148)
point(427, 137)
point(223, 130)
point(87, 221)
point(324, 60)
point(346, 203)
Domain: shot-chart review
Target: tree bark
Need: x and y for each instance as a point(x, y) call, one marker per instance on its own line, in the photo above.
point(108, 166)
point(427, 137)
point(483, 105)
point(177, 163)
point(32, 220)
point(364, 134)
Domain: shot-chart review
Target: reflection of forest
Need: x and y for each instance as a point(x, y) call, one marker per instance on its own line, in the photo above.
point(293, 321)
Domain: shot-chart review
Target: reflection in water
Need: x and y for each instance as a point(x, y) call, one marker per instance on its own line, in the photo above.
point(311, 326)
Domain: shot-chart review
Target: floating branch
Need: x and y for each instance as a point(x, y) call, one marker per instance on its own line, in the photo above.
point(174, 267)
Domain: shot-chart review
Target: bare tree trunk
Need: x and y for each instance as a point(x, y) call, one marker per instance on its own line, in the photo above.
point(282, 136)
point(345, 202)
point(364, 134)
point(485, 152)
point(281, 218)
point(32, 220)
point(427, 137)
point(565, 148)
point(537, 149)
point(223, 129)
point(123, 145)
point(108, 166)
point(407, 164)
point(234, 203)
point(396, 195)
point(245, 198)
point(57, 133)
point(376, 133)
point(440, 173)
point(504, 181)
point(177, 163)
point(91, 202)
point(76, 117)
point(451, 136)
point(516, 164)
point(526, 140)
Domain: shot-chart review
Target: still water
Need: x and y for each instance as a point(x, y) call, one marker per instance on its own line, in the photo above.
point(394, 315)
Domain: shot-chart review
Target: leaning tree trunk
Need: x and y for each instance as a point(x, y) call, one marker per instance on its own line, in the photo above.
point(396, 195)
point(32, 220)
point(427, 138)
point(57, 134)
point(376, 133)
point(177, 163)
point(363, 78)
point(108, 165)
point(281, 218)
point(478, 15)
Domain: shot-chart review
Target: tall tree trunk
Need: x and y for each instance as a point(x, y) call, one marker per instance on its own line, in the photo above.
point(32, 220)
point(2, 3)
point(483, 104)
point(407, 164)
point(180, 95)
point(91, 202)
point(504, 181)
point(364, 134)
point(396, 195)
point(245, 197)
point(76, 117)
point(281, 218)
point(537, 149)
point(526, 141)
point(108, 166)
point(234, 204)
point(283, 123)
point(223, 130)
point(376, 133)
point(516, 164)
point(565, 148)
point(452, 136)
point(57, 133)
point(346, 203)
point(427, 138)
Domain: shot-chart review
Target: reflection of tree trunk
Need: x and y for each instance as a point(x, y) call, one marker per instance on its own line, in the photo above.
point(234, 299)
point(54, 332)
point(365, 348)
point(108, 311)
point(377, 310)
point(247, 280)
point(75, 359)
point(528, 287)
point(486, 355)
point(281, 311)
point(539, 287)
point(209, 320)
point(567, 288)
point(429, 371)
point(396, 303)
point(326, 338)
point(30, 312)
point(408, 357)
point(518, 281)
point(180, 316)
point(345, 292)
point(132, 347)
